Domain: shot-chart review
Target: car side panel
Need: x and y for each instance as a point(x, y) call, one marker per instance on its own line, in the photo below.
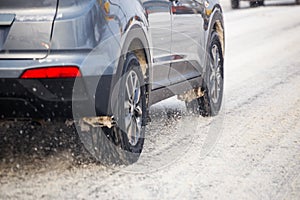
point(159, 17)
point(187, 40)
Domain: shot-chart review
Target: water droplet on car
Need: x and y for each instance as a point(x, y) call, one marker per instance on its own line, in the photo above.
point(34, 89)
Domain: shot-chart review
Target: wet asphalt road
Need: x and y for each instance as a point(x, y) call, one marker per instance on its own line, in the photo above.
point(250, 151)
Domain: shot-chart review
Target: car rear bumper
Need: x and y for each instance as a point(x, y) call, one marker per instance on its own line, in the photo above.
point(54, 98)
point(38, 98)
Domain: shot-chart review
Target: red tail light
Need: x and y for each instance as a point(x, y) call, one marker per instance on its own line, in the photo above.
point(52, 72)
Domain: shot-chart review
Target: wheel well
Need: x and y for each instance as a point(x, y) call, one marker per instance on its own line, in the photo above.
point(137, 47)
point(220, 31)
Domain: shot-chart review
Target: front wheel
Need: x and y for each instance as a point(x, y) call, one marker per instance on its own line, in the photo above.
point(210, 103)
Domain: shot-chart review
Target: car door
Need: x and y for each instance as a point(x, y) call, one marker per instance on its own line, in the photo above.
point(159, 17)
point(187, 40)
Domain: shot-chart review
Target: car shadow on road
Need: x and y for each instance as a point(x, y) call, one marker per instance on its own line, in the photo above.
point(31, 146)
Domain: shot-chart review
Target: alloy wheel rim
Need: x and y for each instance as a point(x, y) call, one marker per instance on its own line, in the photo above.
point(215, 78)
point(133, 109)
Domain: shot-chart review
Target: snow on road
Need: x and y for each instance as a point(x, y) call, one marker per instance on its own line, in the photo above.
point(250, 151)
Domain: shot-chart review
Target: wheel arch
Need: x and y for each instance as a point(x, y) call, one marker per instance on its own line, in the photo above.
point(133, 40)
point(136, 40)
point(216, 23)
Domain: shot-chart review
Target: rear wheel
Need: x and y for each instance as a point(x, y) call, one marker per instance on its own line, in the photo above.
point(123, 143)
point(210, 103)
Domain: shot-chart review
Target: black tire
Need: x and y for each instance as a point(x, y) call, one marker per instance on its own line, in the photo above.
point(114, 145)
point(297, 2)
point(235, 4)
point(210, 103)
